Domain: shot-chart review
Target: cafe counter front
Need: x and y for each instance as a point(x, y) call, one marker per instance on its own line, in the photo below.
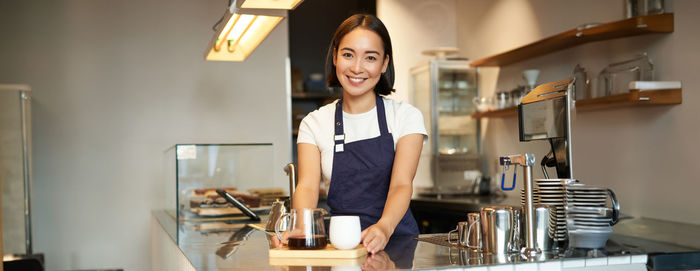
point(238, 245)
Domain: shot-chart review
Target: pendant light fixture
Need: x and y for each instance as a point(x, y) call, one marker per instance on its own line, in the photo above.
point(271, 4)
point(244, 26)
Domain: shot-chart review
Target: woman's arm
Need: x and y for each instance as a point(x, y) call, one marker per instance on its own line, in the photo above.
point(408, 151)
point(306, 192)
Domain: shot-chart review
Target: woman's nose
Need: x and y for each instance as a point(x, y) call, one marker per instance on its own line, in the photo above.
point(356, 66)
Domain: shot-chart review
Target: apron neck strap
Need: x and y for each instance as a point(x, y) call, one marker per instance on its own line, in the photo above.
point(381, 117)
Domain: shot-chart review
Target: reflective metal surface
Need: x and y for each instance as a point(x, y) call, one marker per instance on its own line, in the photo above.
point(240, 248)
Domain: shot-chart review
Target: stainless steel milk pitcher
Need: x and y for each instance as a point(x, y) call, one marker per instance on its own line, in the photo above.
point(500, 229)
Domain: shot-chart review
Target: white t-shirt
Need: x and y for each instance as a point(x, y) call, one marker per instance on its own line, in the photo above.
point(317, 129)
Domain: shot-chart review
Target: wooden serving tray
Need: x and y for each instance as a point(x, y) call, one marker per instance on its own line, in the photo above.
point(329, 252)
point(317, 261)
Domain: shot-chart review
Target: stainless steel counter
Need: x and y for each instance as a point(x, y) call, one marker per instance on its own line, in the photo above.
point(463, 203)
point(441, 214)
point(231, 245)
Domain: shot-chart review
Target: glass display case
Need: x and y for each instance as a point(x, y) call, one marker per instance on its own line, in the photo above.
point(16, 168)
point(443, 90)
point(243, 170)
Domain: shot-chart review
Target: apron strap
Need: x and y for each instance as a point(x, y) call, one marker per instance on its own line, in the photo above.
point(381, 116)
point(339, 136)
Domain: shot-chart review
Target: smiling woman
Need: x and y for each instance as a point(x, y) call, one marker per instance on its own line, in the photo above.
point(358, 62)
point(369, 32)
point(363, 147)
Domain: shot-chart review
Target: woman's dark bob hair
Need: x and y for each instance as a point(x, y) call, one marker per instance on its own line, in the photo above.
point(385, 86)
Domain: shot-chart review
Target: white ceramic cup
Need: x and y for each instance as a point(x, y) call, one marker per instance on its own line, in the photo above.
point(346, 268)
point(345, 231)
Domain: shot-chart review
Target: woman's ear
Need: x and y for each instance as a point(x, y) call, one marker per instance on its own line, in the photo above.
point(335, 55)
point(386, 63)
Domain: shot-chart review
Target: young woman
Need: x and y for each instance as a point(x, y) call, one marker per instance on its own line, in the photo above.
point(364, 147)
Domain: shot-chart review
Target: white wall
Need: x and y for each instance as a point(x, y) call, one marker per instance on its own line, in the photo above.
point(115, 84)
point(648, 155)
point(415, 26)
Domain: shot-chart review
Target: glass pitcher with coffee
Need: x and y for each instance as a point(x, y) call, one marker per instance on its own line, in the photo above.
point(303, 229)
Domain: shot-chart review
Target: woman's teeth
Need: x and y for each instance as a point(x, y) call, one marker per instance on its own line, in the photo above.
point(356, 80)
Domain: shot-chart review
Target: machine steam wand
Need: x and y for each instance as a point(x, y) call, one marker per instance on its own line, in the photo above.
point(526, 161)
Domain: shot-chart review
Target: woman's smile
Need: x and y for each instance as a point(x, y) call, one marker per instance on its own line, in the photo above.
point(356, 80)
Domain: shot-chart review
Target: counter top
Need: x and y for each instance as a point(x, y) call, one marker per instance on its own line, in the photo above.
point(232, 245)
point(464, 203)
point(439, 214)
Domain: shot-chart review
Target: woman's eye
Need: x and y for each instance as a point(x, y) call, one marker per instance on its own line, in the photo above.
point(348, 55)
point(371, 58)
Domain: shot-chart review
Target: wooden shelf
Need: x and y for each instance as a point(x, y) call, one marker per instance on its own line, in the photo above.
point(316, 95)
point(457, 113)
point(641, 25)
point(633, 98)
point(500, 113)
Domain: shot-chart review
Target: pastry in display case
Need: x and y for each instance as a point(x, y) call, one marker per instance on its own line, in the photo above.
point(205, 173)
point(444, 90)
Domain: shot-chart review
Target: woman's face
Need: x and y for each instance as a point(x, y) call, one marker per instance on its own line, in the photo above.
point(360, 61)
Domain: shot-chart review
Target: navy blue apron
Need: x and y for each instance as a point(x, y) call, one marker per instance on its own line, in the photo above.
point(362, 173)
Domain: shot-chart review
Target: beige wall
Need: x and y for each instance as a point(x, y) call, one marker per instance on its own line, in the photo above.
point(115, 84)
point(415, 26)
point(647, 155)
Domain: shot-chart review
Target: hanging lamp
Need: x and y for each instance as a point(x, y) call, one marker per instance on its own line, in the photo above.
point(244, 26)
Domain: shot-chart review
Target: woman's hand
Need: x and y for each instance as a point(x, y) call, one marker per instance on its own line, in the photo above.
point(275, 242)
point(375, 237)
point(378, 261)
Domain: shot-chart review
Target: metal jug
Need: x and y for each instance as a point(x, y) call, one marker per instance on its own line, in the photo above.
point(500, 229)
point(279, 207)
point(283, 204)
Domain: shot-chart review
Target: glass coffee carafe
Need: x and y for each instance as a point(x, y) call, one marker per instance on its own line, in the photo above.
point(302, 229)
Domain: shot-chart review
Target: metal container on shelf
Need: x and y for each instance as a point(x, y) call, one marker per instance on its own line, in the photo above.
point(635, 8)
point(444, 90)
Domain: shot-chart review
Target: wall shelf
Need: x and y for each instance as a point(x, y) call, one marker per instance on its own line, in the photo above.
point(633, 98)
point(499, 113)
point(640, 25)
point(316, 95)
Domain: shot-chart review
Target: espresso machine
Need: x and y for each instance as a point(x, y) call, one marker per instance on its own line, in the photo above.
point(543, 114)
